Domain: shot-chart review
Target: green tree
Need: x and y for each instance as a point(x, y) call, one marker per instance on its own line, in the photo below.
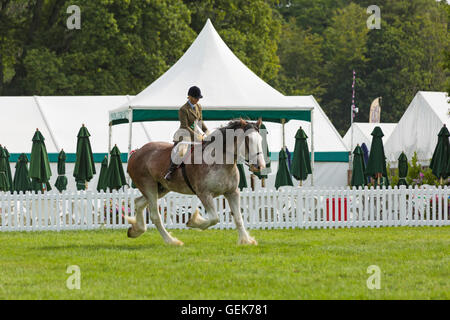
point(121, 48)
point(344, 50)
point(406, 55)
point(301, 62)
point(310, 15)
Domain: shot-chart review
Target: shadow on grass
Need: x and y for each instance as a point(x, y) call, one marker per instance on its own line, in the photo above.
point(94, 247)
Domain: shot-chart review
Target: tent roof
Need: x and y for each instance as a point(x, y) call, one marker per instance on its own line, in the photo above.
point(362, 133)
point(228, 86)
point(59, 118)
point(439, 102)
point(418, 128)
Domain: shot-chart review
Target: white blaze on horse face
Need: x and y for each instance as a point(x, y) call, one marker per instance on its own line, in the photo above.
point(255, 153)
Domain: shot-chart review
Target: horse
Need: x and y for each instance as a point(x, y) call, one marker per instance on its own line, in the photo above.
point(148, 165)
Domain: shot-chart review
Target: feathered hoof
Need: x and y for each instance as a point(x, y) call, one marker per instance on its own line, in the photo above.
point(176, 242)
point(248, 241)
point(131, 233)
point(194, 220)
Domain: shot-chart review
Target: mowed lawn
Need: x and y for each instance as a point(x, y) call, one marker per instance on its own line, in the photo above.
point(287, 264)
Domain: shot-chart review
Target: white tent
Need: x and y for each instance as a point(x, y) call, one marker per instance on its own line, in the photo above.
point(226, 83)
point(59, 118)
point(331, 153)
point(362, 133)
point(230, 90)
point(418, 128)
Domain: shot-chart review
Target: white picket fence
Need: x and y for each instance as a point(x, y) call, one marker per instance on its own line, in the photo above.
point(262, 209)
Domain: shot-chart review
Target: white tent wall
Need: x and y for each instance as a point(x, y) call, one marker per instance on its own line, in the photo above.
point(65, 115)
point(362, 133)
point(20, 117)
point(419, 126)
point(59, 118)
point(326, 174)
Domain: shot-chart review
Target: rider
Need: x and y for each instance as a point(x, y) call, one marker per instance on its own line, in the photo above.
point(189, 114)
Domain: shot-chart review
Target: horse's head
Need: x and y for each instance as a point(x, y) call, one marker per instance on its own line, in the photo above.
point(252, 147)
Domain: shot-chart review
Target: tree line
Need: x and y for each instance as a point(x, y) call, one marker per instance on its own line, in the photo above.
point(300, 47)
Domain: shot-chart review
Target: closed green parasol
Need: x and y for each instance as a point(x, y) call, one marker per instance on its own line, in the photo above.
point(242, 178)
point(283, 177)
point(301, 163)
point(441, 156)
point(102, 179)
point(263, 174)
point(4, 183)
point(84, 165)
point(358, 176)
point(376, 166)
point(116, 175)
point(39, 166)
point(21, 177)
point(8, 170)
point(61, 181)
point(402, 169)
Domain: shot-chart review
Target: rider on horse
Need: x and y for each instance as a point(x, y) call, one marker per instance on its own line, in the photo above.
point(189, 115)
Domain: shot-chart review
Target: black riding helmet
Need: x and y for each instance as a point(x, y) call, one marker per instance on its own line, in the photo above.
point(195, 92)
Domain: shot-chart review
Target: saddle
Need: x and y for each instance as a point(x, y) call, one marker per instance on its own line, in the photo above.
point(182, 151)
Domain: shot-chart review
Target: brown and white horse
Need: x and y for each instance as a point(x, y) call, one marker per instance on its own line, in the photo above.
point(148, 165)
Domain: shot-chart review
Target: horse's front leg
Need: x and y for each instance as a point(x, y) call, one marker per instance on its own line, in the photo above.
point(196, 220)
point(234, 200)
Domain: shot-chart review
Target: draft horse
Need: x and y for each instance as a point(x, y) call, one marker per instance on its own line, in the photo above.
point(148, 165)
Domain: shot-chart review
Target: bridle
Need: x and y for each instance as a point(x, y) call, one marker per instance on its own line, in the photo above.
point(251, 167)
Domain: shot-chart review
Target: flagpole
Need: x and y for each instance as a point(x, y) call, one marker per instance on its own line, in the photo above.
point(351, 122)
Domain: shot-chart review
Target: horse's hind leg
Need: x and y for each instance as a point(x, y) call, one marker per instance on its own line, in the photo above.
point(152, 197)
point(235, 206)
point(137, 222)
point(196, 221)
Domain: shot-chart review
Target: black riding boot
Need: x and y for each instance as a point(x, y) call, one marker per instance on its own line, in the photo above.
point(171, 170)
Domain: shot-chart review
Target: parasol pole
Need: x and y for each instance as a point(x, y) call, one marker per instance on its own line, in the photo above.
point(130, 137)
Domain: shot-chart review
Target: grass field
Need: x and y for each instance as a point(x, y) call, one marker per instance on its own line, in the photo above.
point(287, 264)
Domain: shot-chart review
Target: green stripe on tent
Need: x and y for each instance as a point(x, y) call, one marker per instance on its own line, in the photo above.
point(267, 115)
point(70, 157)
point(340, 156)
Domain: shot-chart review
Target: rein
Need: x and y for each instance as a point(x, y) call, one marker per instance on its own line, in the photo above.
point(188, 154)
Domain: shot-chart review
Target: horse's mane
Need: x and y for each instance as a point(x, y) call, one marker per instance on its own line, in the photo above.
point(234, 124)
